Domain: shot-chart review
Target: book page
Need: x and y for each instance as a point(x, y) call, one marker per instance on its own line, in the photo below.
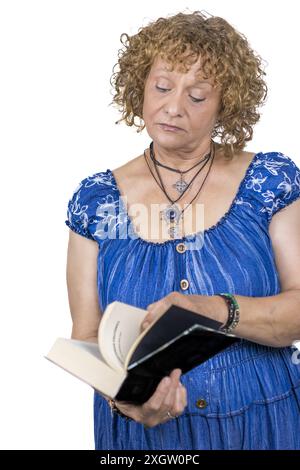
point(83, 360)
point(119, 328)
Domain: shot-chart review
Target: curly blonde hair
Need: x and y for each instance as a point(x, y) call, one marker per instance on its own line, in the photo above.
point(226, 57)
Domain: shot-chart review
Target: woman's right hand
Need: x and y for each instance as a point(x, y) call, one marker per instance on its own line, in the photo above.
point(168, 401)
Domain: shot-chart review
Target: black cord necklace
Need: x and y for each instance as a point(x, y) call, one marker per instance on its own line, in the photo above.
point(172, 213)
point(207, 157)
point(181, 184)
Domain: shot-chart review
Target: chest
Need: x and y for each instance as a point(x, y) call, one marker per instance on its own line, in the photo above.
point(152, 218)
point(202, 206)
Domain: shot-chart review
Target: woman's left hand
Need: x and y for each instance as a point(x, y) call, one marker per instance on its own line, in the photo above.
point(210, 306)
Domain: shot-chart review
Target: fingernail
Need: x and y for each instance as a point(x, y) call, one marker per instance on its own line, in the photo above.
point(166, 381)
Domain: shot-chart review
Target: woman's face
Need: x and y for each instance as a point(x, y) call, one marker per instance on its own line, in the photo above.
point(179, 99)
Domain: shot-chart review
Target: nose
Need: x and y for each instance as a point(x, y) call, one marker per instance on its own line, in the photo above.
point(173, 105)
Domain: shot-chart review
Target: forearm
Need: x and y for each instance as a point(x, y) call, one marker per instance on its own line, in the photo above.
point(273, 320)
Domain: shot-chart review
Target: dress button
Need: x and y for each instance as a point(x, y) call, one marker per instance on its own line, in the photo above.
point(184, 284)
point(181, 248)
point(201, 403)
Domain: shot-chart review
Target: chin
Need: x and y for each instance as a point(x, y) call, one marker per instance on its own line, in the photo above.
point(167, 139)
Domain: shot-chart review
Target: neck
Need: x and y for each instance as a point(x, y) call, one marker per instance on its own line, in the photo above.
point(181, 159)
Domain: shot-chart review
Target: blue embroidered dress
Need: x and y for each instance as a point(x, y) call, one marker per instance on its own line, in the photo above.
point(246, 397)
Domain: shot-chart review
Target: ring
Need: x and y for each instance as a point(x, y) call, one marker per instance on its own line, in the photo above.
point(170, 416)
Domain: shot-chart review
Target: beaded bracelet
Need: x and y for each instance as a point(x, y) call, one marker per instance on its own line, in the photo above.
point(115, 409)
point(233, 312)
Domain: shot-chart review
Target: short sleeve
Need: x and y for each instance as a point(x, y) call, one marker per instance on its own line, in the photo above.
point(286, 185)
point(274, 182)
point(82, 207)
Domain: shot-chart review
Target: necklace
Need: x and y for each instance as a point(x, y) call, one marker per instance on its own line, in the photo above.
point(181, 184)
point(187, 186)
point(172, 213)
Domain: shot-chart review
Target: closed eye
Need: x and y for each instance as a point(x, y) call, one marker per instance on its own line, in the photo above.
point(195, 100)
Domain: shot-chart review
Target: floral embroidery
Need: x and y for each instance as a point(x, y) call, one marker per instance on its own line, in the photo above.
point(257, 162)
point(255, 182)
point(75, 209)
point(273, 166)
point(287, 186)
point(241, 201)
point(287, 189)
point(268, 195)
point(77, 215)
point(270, 210)
point(99, 179)
point(107, 212)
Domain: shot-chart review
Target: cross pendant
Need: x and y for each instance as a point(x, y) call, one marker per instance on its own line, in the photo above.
point(180, 185)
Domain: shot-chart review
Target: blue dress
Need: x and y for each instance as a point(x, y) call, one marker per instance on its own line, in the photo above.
point(246, 397)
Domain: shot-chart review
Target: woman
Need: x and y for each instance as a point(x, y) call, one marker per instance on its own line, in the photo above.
point(187, 222)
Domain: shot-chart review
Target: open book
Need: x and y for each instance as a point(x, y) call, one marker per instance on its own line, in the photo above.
point(128, 364)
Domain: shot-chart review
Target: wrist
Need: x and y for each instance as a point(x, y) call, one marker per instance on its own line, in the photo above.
point(115, 409)
point(233, 312)
point(221, 309)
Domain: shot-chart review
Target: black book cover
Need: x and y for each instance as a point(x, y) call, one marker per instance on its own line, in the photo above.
point(179, 339)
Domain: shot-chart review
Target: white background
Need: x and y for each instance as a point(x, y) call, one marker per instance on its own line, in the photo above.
point(56, 59)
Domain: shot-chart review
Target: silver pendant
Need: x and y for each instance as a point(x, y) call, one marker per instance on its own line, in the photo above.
point(174, 231)
point(180, 185)
point(171, 214)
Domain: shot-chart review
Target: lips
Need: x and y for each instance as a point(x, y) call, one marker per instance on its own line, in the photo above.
point(170, 126)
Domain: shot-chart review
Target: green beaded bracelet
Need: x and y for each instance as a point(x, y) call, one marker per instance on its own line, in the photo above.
point(233, 312)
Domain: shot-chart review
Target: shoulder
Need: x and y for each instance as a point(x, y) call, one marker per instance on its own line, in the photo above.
point(274, 163)
point(273, 179)
point(132, 169)
point(94, 188)
point(97, 182)
point(90, 193)
point(273, 170)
